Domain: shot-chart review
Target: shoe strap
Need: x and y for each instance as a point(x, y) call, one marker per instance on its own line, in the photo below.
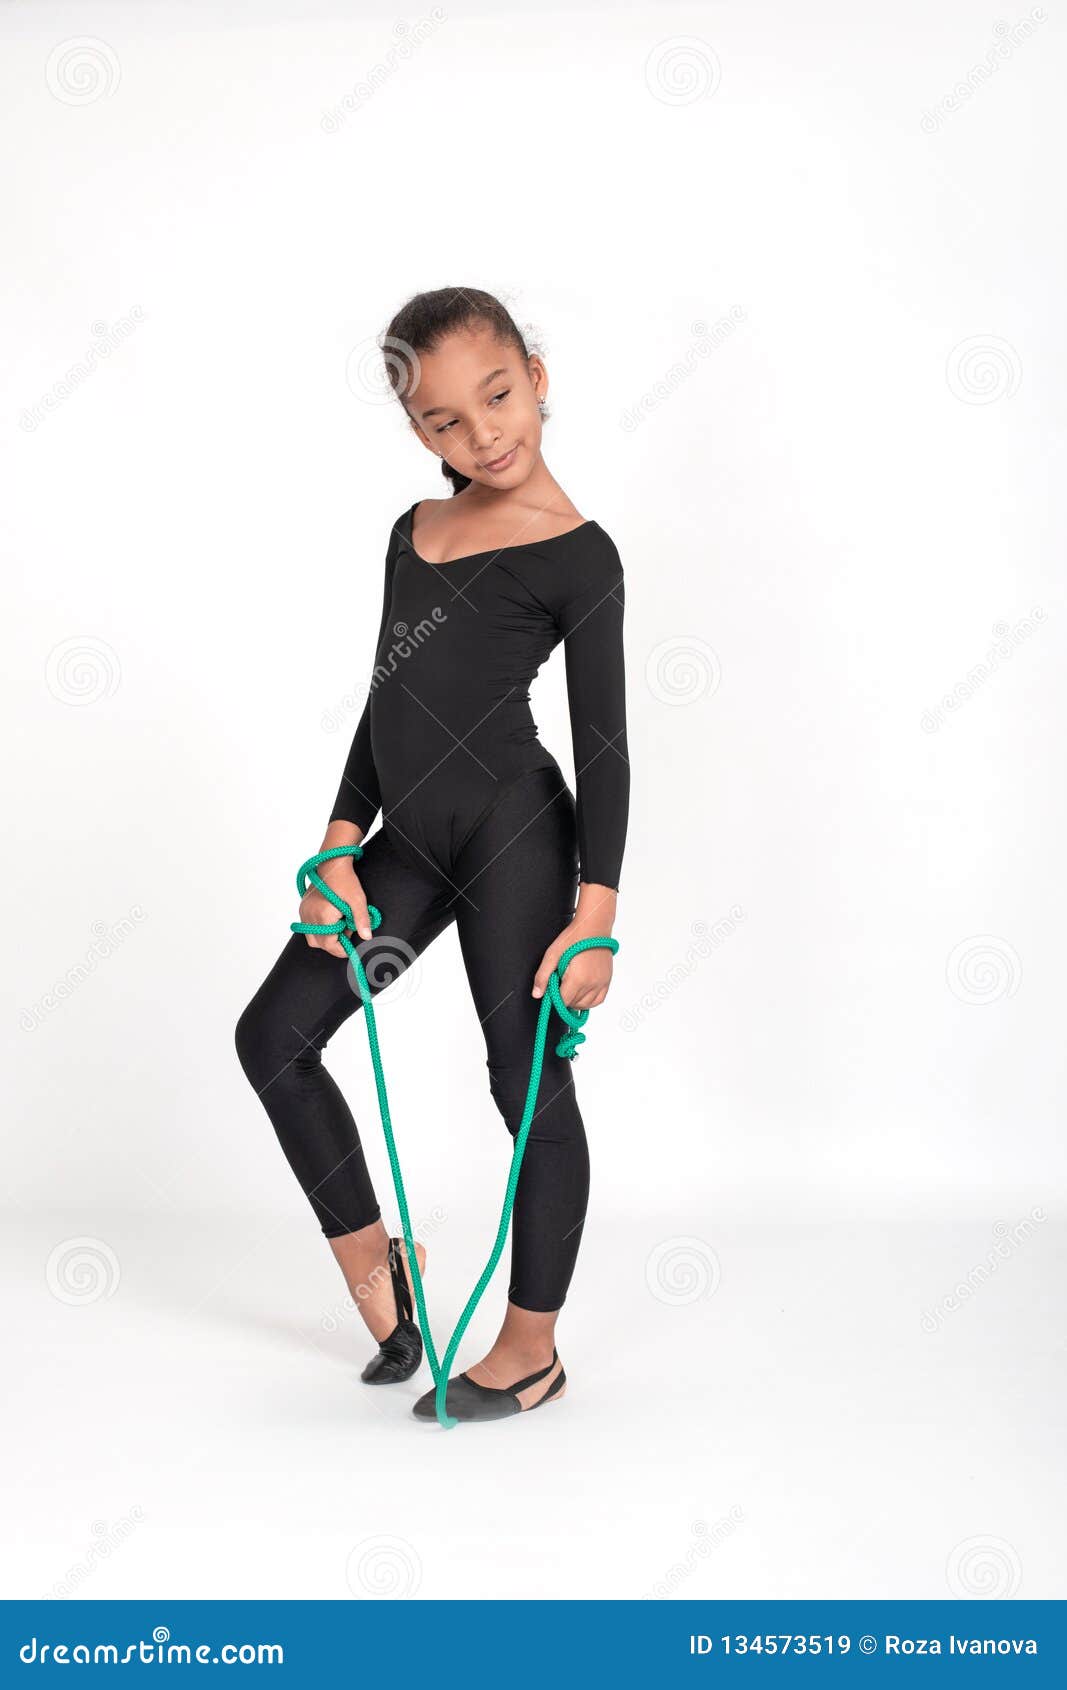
point(557, 1385)
point(521, 1384)
point(401, 1288)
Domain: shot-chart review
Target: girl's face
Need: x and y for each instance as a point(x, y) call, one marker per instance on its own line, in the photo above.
point(476, 405)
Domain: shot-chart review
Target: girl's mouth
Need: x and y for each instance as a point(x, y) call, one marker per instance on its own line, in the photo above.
point(502, 463)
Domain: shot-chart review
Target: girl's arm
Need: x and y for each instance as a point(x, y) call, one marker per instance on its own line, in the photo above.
point(357, 803)
point(592, 625)
point(591, 620)
point(359, 796)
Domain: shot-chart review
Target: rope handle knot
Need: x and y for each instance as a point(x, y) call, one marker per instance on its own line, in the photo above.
point(346, 922)
point(575, 1018)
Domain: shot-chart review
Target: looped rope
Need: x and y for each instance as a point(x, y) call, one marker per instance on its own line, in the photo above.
point(567, 1047)
point(575, 1018)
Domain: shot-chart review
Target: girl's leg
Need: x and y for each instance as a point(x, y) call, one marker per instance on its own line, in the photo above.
point(521, 871)
point(280, 1037)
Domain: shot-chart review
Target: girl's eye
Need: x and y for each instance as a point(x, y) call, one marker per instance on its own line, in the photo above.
point(496, 397)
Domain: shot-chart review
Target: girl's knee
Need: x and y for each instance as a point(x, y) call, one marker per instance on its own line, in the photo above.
point(267, 1046)
point(556, 1114)
point(249, 1040)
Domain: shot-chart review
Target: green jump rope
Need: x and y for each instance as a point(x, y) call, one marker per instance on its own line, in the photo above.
point(575, 1019)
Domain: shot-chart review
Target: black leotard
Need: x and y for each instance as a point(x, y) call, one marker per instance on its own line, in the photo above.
point(447, 726)
point(478, 829)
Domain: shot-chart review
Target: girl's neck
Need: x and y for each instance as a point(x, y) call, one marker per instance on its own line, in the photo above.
point(539, 492)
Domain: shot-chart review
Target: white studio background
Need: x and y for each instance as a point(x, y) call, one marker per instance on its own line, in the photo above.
point(797, 274)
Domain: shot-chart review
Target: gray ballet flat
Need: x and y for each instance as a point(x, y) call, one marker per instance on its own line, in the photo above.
point(465, 1399)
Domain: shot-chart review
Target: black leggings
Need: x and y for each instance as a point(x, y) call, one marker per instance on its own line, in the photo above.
point(510, 890)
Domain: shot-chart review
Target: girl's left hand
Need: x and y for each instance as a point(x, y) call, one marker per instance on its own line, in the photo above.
point(588, 976)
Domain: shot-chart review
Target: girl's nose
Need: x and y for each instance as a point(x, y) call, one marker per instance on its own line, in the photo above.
point(484, 436)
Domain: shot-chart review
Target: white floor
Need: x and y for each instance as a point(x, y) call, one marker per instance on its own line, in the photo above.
point(768, 1409)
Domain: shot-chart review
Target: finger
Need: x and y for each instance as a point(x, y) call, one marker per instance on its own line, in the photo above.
point(360, 912)
point(540, 985)
point(325, 942)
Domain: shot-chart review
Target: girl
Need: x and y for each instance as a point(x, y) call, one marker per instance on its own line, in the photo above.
point(478, 827)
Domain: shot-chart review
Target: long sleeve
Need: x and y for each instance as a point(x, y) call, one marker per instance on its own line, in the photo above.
point(591, 620)
point(359, 796)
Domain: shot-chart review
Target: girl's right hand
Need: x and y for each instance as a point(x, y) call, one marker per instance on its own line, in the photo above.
point(340, 875)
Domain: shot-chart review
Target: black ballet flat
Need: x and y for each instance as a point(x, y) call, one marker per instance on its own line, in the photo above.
point(465, 1399)
point(400, 1354)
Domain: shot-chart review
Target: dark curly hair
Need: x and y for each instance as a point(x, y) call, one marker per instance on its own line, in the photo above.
point(423, 322)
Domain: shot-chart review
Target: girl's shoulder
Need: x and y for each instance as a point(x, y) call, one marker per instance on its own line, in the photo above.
point(574, 574)
point(583, 557)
